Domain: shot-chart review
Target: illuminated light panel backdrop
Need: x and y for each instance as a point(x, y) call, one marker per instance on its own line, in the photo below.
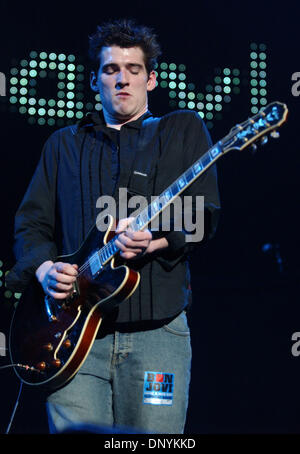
point(65, 77)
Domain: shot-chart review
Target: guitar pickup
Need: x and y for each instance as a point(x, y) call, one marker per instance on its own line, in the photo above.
point(95, 264)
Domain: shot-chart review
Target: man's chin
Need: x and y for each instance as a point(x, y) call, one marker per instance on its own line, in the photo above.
point(124, 116)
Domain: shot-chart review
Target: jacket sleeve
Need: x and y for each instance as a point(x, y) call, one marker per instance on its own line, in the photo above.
point(196, 142)
point(35, 220)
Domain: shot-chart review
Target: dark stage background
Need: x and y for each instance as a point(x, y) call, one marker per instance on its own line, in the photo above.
point(246, 308)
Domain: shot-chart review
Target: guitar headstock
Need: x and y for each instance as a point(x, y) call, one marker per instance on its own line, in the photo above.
point(266, 121)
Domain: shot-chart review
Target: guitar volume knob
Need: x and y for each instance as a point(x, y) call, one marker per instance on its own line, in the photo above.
point(56, 362)
point(67, 343)
point(275, 134)
point(264, 140)
point(48, 347)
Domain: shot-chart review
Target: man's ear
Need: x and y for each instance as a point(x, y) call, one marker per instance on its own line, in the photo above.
point(151, 83)
point(93, 81)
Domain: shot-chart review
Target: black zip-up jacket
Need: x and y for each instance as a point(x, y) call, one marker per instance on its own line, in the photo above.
point(80, 163)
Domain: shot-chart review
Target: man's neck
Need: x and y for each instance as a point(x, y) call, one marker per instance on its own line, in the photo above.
point(116, 123)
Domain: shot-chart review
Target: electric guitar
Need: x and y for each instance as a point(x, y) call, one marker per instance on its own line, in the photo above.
point(49, 340)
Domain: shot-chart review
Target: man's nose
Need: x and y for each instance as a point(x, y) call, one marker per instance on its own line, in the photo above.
point(122, 79)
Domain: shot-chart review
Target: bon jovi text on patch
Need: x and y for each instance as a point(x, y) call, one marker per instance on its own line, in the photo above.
point(158, 388)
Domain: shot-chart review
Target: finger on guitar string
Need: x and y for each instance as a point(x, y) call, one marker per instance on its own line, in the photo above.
point(61, 277)
point(59, 286)
point(57, 278)
point(124, 224)
point(131, 249)
point(57, 295)
point(62, 273)
point(124, 242)
point(66, 268)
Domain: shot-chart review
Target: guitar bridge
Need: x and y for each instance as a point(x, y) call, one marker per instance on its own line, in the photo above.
point(75, 289)
point(71, 298)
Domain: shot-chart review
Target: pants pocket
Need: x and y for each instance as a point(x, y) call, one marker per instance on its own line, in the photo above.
point(178, 326)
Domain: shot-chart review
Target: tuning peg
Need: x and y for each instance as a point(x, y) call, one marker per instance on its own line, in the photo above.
point(253, 148)
point(275, 134)
point(264, 140)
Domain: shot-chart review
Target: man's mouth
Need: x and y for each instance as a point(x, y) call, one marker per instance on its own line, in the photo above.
point(123, 94)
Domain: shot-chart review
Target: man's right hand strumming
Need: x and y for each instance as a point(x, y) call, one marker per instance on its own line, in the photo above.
point(57, 278)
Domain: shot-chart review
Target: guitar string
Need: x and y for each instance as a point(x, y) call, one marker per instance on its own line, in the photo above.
point(103, 250)
point(98, 253)
point(94, 259)
point(90, 262)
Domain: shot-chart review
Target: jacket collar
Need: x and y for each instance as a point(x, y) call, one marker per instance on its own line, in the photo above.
point(95, 121)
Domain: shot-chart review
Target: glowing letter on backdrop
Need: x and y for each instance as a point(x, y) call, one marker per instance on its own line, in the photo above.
point(71, 103)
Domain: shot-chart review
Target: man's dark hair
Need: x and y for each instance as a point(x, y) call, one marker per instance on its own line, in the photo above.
point(124, 33)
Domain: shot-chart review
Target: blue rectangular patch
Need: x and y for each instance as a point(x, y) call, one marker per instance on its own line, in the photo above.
point(95, 264)
point(158, 388)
